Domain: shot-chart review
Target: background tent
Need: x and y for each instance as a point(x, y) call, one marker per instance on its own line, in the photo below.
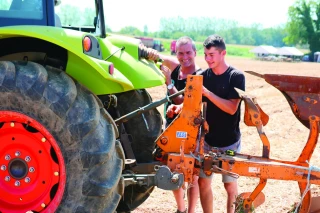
point(289, 51)
point(264, 50)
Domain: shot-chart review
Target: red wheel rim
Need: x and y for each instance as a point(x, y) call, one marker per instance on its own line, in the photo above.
point(32, 169)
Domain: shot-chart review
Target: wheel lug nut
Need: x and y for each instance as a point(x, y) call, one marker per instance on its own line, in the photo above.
point(7, 157)
point(7, 178)
point(3, 168)
point(31, 169)
point(17, 183)
point(17, 154)
point(27, 180)
point(27, 159)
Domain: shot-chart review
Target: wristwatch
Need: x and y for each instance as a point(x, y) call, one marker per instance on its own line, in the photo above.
point(170, 86)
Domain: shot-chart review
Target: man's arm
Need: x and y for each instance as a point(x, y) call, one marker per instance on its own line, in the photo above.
point(168, 61)
point(169, 64)
point(171, 88)
point(229, 106)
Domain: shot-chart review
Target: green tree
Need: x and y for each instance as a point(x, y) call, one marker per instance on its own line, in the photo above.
point(69, 15)
point(88, 17)
point(145, 30)
point(304, 24)
point(130, 30)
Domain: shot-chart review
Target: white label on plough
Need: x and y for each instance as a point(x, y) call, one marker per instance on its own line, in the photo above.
point(254, 170)
point(180, 134)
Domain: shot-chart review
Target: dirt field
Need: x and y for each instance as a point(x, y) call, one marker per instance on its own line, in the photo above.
point(286, 135)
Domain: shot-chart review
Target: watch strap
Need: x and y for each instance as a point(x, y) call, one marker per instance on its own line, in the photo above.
point(170, 86)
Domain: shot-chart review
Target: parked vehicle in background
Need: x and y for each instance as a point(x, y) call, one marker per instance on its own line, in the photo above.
point(306, 58)
point(152, 43)
point(317, 57)
point(173, 47)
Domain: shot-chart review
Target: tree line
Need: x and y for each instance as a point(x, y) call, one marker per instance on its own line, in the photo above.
point(198, 28)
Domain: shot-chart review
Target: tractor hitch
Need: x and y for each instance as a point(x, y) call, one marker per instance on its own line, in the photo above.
point(163, 179)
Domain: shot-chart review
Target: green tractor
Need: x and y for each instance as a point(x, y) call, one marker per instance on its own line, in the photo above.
point(61, 89)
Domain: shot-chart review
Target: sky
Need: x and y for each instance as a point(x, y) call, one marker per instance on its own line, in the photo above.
point(138, 13)
point(146, 12)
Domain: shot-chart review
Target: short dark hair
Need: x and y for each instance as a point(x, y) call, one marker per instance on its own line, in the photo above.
point(215, 41)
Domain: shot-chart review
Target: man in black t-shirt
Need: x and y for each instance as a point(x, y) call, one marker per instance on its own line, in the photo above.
point(176, 69)
point(223, 115)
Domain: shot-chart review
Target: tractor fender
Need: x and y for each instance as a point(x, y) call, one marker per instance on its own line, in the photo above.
point(89, 71)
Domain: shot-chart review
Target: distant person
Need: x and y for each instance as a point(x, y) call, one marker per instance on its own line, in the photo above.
point(173, 47)
point(176, 69)
point(223, 115)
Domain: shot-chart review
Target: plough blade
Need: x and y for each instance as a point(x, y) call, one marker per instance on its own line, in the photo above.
point(257, 202)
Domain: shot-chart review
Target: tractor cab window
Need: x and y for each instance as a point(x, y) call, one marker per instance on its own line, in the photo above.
point(21, 9)
point(78, 15)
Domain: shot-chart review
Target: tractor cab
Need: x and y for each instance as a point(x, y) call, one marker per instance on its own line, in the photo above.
point(27, 12)
point(54, 13)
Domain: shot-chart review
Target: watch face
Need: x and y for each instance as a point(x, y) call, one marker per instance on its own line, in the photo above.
point(170, 86)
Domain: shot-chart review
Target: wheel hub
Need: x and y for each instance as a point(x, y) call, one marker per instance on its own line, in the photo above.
point(32, 171)
point(18, 168)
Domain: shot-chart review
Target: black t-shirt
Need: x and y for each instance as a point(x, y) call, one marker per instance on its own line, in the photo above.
point(180, 84)
point(223, 127)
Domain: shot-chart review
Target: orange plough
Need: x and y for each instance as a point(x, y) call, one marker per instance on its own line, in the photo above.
point(181, 144)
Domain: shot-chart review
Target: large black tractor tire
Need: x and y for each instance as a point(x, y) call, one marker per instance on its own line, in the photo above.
point(83, 135)
point(143, 131)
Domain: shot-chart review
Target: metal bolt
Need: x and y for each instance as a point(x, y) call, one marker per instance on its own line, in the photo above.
point(31, 169)
point(17, 183)
point(43, 205)
point(43, 140)
point(7, 178)
point(164, 140)
point(7, 157)
point(197, 121)
point(56, 173)
point(27, 180)
point(174, 178)
point(27, 159)
point(3, 168)
point(12, 124)
point(17, 154)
